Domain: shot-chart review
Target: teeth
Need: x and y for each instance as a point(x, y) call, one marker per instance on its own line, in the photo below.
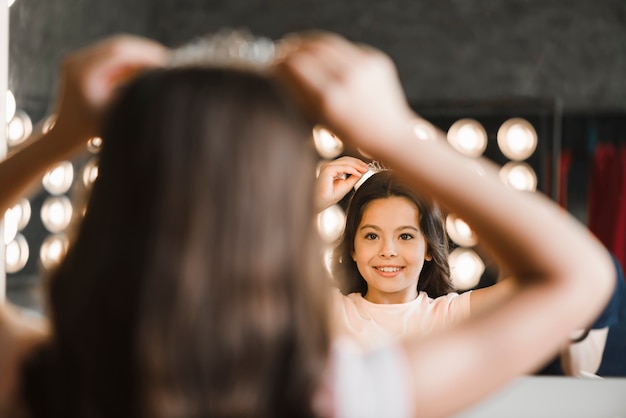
point(389, 269)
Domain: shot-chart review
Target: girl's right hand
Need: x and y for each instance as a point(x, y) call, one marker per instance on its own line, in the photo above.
point(352, 89)
point(336, 179)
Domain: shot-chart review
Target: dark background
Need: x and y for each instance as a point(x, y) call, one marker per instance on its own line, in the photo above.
point(574, 50)
point(513, 54)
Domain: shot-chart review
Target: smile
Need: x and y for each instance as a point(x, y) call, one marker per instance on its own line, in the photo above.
point(389, 269)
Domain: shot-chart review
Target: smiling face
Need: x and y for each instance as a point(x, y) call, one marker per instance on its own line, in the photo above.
point(389, 250)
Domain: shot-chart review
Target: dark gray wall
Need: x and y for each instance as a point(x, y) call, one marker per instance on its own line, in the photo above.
point(574, 50)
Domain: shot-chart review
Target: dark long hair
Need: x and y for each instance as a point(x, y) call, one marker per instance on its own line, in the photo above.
point(435, 275)
point(193, 287)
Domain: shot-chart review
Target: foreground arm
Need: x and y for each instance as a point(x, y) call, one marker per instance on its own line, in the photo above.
point(577, 358)
point(355, 92)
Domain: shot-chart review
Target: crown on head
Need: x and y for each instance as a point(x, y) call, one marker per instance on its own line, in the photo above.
point(372, 168)
point(226, 48)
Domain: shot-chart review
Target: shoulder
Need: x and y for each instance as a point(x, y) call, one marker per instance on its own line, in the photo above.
point(346, 300)
point(452, 306)
point(452, 298)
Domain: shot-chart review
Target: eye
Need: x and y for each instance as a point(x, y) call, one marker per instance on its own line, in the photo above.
point(406, 236)
point(371, 236)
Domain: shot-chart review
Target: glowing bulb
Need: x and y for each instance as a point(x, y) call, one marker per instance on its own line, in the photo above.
point(59, 179)
point(328, 259)
point(10, 226)
point(56, 213)
point(90, 172)
point(10, 100)
point(466, 268)
point(94, 144)
point(468, 136)
point(328, 145)
point(517, 139)
point(48, 123)
point(331, 222)
point(53, 249)
point(16, 254)
point(15, 219)
point(460, 231)
point(22, 208)
point(19, 128)
point(424, 131)
point(519, 176)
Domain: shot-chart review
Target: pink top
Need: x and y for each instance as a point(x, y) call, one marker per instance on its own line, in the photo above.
point(371, 325)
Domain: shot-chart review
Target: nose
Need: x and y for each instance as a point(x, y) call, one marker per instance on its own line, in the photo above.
point(388, 250)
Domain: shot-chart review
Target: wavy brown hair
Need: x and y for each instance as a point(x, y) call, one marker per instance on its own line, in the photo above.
point(435, 275)
point(193, 287)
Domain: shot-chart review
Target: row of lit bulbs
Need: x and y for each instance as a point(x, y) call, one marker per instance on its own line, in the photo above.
point(57, 210)
point(517, 140)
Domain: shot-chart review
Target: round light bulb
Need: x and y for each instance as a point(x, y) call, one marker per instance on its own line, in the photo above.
point(328, 145)
point(517, 139)
point(331, 222)
point(468, 136)
point(10, 103)
point(466, 268)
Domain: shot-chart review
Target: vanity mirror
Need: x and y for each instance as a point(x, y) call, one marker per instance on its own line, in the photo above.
point(446, 51)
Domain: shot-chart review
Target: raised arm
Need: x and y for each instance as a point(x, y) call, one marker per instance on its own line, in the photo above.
point(580, 355)
point(355, 92)
point(88, 81)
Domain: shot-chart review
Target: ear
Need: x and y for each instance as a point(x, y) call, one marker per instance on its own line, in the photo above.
point(428, 255)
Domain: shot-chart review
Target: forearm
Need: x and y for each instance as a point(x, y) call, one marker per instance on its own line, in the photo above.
point(24, 167)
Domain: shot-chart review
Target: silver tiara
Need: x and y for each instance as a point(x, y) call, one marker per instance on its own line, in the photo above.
point(226, 48)
point(372, 168)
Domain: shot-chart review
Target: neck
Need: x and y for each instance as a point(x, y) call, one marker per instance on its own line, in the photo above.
point(390, 298)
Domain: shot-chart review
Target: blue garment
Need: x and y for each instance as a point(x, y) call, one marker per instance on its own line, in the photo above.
point(614, 358)
point(615, 310)
point(613, 316)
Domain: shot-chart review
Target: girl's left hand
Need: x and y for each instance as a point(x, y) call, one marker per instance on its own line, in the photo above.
point(91, 76)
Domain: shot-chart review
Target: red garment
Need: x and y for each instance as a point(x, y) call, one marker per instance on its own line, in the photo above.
point(565, 162)
point(607, 198)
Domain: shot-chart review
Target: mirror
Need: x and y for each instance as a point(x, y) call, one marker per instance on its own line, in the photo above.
point(447, 53)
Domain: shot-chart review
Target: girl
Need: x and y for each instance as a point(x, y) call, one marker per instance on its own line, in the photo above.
point(391, 266)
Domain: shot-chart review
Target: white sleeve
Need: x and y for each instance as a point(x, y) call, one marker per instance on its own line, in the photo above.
point(371, 385)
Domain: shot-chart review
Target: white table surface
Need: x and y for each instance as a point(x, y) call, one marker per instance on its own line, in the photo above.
point(555, 397)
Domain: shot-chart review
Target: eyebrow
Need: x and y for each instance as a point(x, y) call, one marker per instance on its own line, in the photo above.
point(400, 228)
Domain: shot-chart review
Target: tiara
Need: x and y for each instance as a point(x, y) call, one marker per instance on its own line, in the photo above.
point(226, 48)
point(372, 168)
